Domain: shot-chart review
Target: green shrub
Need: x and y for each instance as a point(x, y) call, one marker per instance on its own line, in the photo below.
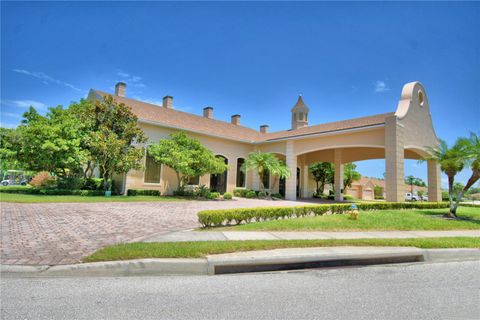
point(52, 192)
point(241, 192)
point(141, 192)
point(251, 194)
point(71, 183)
point(347, 197)
point(184, 193)
point(20, 190)
point(203, 192)
point(210, 218)
point(213, 195)
point(227, 196)
point(379, 198)
point(93, 184)
point(262, 194)
point(277, 196)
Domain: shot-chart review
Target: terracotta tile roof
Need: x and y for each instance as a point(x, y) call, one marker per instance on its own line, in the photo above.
point(330, 127)
point(187, 121)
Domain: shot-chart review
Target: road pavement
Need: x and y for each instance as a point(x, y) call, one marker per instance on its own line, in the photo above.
point(409, 291)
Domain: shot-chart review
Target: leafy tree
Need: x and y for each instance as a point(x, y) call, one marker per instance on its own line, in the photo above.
point(8, 149)
point(323, 173)
point(350, 175)
point(112, 137)
point(50, 142)
point(186, 156)
point(452, 161)
point(263, 164)
point(377, 191)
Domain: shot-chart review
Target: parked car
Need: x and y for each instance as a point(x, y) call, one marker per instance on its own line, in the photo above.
point(411, 197)
point(424, 198)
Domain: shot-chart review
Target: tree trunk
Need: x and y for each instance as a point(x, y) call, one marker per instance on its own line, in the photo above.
point(106, 181)
point(273, 186)
point(453, 209)
point(474, 178)
point(262, 187)
point(318, 188)
point(179, 181)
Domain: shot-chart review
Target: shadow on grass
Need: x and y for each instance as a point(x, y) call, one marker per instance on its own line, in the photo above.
point(444, 216)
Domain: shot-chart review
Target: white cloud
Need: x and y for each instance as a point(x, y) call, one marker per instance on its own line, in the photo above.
point(11, 115)
point(380, 86)
point(131, 80)
point(46, 79)
point(160, 103)
point(123, 74)
point(25, 104)
point(149, 100)
point(8, 125)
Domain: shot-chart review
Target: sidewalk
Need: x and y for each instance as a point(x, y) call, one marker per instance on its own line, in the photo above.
point(183, 236)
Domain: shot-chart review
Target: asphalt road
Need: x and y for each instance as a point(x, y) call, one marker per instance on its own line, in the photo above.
point(415, 291)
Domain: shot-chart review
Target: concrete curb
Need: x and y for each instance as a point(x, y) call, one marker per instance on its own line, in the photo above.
point(251, 261)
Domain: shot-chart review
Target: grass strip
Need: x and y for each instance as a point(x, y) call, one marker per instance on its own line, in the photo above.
point(381, 220)
point(140, 250)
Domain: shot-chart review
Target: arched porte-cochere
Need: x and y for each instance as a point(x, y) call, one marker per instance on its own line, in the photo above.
point(218, 182)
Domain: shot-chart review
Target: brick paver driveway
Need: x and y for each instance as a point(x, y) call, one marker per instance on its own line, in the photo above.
point(64, 233)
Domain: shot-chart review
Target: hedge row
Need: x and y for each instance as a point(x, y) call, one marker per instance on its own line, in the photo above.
point(52, 192)
point(211, 218)
point(140, 192)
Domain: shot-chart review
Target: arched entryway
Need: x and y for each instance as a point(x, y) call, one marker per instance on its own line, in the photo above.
point(218, 182)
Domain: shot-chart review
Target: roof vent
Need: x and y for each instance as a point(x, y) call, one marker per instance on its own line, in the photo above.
point(120, 89)
point(264, 128)
point(208, 112)
point(236, 119)
point(168, 102)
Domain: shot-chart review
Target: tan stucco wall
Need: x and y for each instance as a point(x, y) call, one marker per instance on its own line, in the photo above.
point(405, 135)
point(231, 150)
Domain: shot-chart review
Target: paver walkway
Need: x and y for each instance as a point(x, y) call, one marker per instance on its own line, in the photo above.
point(64, 233)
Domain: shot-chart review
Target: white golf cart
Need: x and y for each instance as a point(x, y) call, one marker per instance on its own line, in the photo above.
point(14, 178)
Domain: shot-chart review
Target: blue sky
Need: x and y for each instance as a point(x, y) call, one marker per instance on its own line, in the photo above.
point(251, 58)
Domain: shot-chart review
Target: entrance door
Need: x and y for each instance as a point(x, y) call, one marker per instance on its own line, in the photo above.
point(298, 182)
point(218, 182)
point(281, 186)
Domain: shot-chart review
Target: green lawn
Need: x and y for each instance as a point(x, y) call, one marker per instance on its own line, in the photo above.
point(33, 198)
point(430, 219)
point(200, 249)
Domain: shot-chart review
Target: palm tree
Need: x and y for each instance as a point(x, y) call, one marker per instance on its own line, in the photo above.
point(471, 149)
point(452, 161)
point(263, 164)
point(410, 180)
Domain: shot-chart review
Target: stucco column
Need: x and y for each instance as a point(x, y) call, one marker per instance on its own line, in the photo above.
point(338, 179)
point(291, 182)
point(434, 182)
point(394, 160)
point(305, 193)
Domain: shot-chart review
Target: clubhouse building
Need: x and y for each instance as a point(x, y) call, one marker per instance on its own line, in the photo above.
point(393, 136)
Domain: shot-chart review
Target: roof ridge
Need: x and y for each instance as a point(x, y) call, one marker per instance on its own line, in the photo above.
point(176, 110)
